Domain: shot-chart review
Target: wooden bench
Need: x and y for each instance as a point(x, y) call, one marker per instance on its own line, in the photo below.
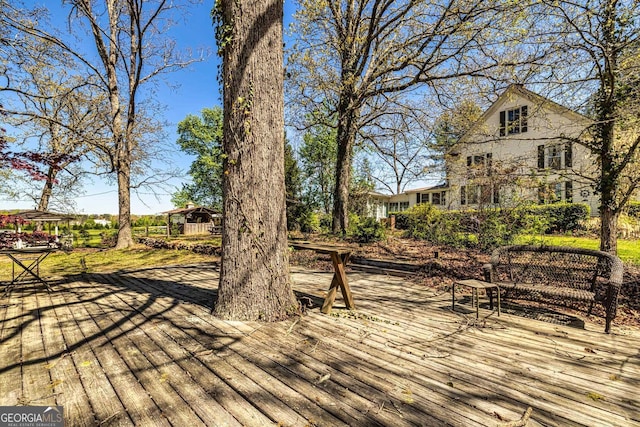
point(339, 258)
point(557, 274)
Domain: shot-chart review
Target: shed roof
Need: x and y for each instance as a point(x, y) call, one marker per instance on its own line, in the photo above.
point(197, 209)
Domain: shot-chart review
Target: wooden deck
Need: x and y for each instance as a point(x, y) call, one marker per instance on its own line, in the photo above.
point(140, 348)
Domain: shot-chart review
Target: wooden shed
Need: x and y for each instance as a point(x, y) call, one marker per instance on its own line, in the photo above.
point(194, 220)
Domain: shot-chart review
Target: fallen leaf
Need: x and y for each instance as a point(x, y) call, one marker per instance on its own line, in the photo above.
point(595, 396)
point(55, 383)
point(408, 396)
point(323, 379)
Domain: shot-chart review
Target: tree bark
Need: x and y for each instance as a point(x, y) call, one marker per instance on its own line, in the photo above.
point(606, 106)
point(47, 190)
point(609, 230)
point(346, 136)
point(125, 234)
point(254, 275)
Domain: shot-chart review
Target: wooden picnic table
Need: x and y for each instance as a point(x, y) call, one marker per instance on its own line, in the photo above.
point(339, 257)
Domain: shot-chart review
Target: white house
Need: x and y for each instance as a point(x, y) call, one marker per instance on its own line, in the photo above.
point(382, 204)
point(103, 222)
point(518, 150)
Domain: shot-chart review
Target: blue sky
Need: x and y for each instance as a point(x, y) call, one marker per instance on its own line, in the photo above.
point(197, 89)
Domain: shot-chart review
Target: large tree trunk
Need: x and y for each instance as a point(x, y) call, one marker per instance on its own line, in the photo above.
point(254, 275)
point(609, 231)
point(346, 136)
point(125, 235)
point(609, 210)
point(606, 106)
point(47, 190)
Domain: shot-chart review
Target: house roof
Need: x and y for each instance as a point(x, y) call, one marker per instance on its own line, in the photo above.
point(433, 187)
point(442, 185)
point(377, 194)
point(196, 209)
point(518, 90)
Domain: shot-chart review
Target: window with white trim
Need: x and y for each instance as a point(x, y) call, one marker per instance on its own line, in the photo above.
point(557, 192)
point(479, 194)
point(513, 121)
point(439, 198)
point(555, 156)
point(480, 162)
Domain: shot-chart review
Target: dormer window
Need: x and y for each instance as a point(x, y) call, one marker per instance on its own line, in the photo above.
point(513, 121)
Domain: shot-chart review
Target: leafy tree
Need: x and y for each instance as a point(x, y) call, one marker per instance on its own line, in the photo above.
point(131, 49)
point(360, 56)
point(50, 105)
point(399, 146)
point(362, 183)
point(202, 137)
point(297, 209)
point(453, 124)
point(254, 273)
point(602, 40)
point(318, 159)
point(449, 128)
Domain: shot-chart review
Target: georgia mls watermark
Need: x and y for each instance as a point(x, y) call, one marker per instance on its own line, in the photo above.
point(31, 416)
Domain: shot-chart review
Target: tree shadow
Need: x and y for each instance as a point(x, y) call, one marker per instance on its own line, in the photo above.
point(95, 289)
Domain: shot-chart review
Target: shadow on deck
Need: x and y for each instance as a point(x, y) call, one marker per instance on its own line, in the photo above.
point(141, 348)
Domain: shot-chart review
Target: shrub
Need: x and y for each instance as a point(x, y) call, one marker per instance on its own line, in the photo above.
point(633, 209)
point(486, 229)
point(325, 222)
point(483, 229)
point(424, 221)
point(309, 222)
point(402, 220)
point(367, 230)
point(560, 217)
point(496, 228)
point(420, 221)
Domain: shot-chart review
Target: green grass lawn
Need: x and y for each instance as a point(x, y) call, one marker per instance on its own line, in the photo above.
point(628, 250)
point(94, 238)
point(98, 261)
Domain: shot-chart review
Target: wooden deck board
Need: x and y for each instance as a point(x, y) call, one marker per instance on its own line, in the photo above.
point(141, 356)
point(96, 352)
point(65, 379)
point(140, 348)
point(300, 378)
point(538, 353)
point(239, 373)
point(546, 374)
point(401, 381)
point(11, 349)
point(37, 384)
point(74, 323)
point(313, 375)
point(254, 368)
